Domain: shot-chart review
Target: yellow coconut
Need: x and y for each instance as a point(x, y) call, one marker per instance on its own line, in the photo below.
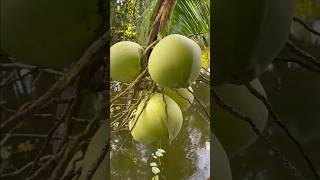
point(248, 35)
point(233, 133)
point(50, 33)
point(175, 62)
point(125, 61)
point(182, 96)
point(159, 122)
point(221, 164)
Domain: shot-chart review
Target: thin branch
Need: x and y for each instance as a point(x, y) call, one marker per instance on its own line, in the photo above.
point(199, 102)
point(88, 59)
point(19, 78)
point(33, 135)
point(73, 147)
point(137, 80)
point(50, 134)
point(25, 167)
point(276, 119)
point(307, 27)
point(306, 56)
point(27, 66)
point(299, 62)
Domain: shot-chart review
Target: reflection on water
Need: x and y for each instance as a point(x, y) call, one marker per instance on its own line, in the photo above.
point(188, 157)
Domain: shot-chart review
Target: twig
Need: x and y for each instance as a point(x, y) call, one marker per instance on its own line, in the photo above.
point(37, 173)
point(22, 169)
point(301, 22)
point(137, 80)
point(199, 102)
point(27, 66)
point(306, 56)
point(72, 148)
point(87, 60)
point(19, 78)
point(50, 134)
point(301, 63)
point(32, 135)
point(276, 119)
point(136, 119)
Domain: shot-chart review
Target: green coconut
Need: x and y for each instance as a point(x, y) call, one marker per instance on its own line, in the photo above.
point(221, 164)
point(248, 35)
point(159, 122)
point(50, 33)
point(97, 144)
point(175, 62)
point(233, 133)
point(125, 61)
point(182, 96)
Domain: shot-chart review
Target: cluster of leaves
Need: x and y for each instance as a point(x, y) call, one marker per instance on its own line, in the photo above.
point(154, 166)
point(125, 15)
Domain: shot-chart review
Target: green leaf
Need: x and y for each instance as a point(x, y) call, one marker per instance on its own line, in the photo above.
point(159, 154)
point(156, 177)
point(155, 170)
point(161, 150)
point(153, 164)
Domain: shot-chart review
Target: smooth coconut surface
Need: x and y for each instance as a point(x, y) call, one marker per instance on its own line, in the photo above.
point(182, 96)
point(154, 125)
point(97, 144)
point(50, 33)
point(175, 62)
point(125, 61)
point(233, 133)
point(221, 164)
point(248, 35)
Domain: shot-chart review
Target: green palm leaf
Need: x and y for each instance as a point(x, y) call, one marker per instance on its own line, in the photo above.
point(192, 18)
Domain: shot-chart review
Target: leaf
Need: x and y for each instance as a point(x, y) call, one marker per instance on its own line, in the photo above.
point(156, 177)
point(155, 170)
point(192, 18)
point(159, 154)
point(153, 164)
point(161, 150)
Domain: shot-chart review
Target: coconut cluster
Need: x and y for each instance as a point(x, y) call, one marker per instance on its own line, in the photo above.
point(174, 64)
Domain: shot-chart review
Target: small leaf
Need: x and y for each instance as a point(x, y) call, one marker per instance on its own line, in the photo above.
point(156, 177)
point(159, 154)
point(161, 150)
point(155, 170)
point(153, 164)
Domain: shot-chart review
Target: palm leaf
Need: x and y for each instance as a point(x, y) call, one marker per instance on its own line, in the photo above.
point(192, 18)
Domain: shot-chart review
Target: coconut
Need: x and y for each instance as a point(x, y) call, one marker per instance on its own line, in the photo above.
point(248, 35)
point(182, 96)
point(125, 61)
point(175, 62)
point(233, 133)
point(49, 33)
point(221, 164)
point(159, 122)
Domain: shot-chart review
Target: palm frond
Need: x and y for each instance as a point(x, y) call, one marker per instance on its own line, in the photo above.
point(192, 18)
